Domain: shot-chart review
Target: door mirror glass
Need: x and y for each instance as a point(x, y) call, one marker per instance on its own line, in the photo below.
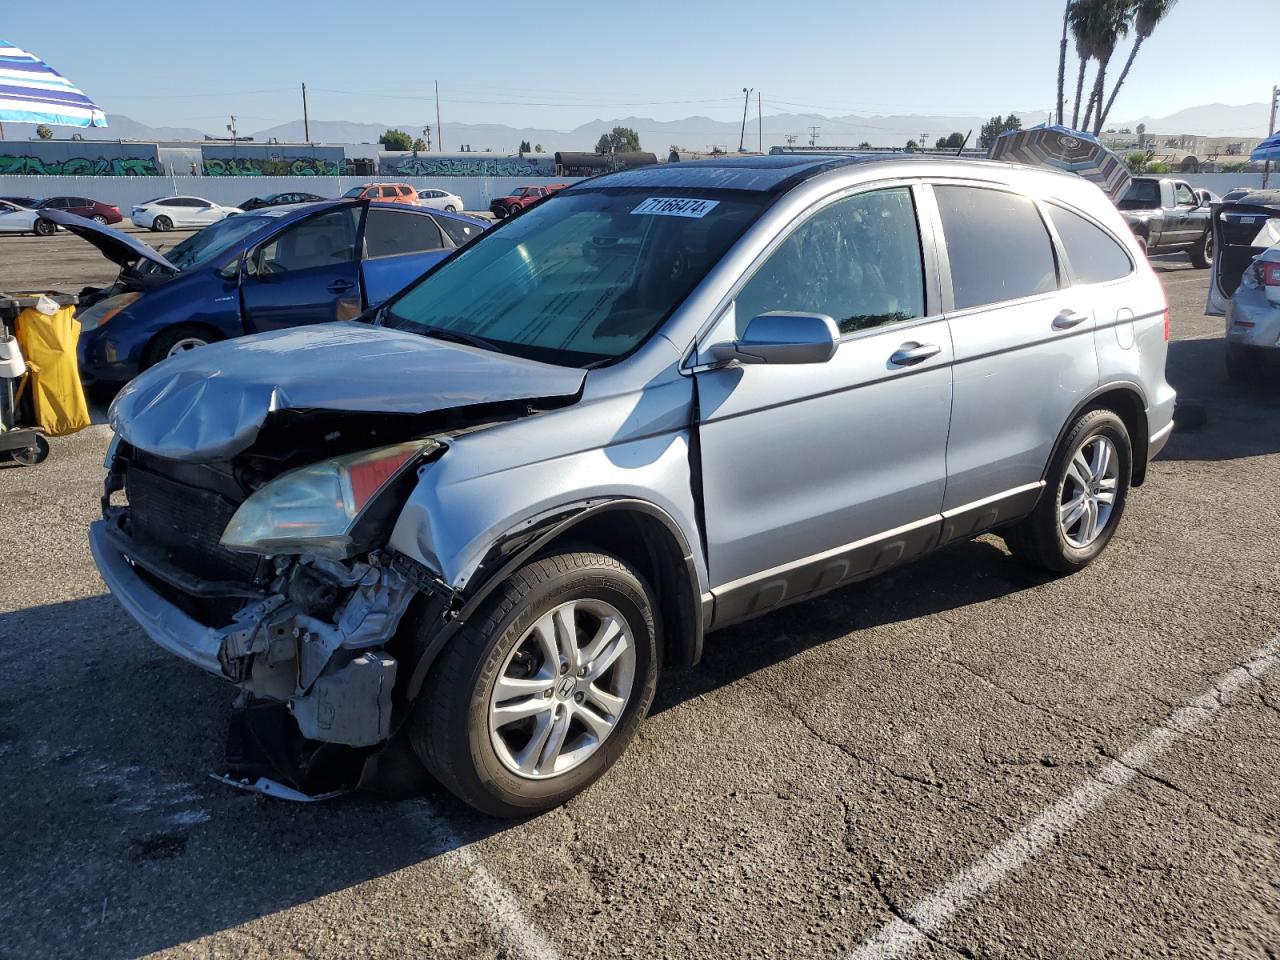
point(783, 336)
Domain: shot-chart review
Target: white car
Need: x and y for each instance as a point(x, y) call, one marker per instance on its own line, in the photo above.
point(165, 213)
point(440, 200)
point(16, 219)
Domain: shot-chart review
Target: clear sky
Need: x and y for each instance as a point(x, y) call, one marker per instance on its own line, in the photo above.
point(558, 65)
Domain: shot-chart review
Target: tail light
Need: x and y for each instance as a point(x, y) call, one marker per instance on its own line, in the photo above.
point(1166, 324)
point(115, 209)
point(1270, 274)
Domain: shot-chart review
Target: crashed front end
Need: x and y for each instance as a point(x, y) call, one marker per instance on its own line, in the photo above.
point(250, 495)
point(193, 551)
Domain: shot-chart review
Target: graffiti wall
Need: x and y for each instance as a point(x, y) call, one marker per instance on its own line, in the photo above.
point(474, 165)
point(75, 158)
point(268, 167)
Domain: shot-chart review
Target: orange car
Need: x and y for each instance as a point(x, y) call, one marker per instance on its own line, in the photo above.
point(385, 192)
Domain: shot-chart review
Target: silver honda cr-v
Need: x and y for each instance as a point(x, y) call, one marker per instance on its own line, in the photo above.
point(480, 520)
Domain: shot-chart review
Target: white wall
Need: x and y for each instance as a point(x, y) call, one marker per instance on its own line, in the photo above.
point(476, 192)
point(1220, 183)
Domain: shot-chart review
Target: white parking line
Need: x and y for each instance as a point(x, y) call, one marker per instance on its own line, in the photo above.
point(520, 935)
point(924, 919)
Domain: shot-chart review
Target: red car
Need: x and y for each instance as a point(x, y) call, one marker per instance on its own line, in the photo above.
point(521, 197)
point(83, 207)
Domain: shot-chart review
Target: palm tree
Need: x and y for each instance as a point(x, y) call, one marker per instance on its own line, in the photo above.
point(1114, 17)
point(1062, 56)
point(1149, 13)
point(1084, 16)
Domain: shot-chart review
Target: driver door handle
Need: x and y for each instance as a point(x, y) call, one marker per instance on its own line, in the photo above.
point(1068, 319)
point(341, 286)
point(910, 354)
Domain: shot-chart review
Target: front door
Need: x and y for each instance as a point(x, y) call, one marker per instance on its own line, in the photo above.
point(309, 272)
point(818, 474)
point(1024, 353)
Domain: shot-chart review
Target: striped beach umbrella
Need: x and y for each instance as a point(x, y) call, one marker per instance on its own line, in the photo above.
point(1268, 149)
point(1065, 149)
point(33, 92)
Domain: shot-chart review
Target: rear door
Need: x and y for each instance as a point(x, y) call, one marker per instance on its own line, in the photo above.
point(308, 272)
point(399, 245)
point(1024, 353)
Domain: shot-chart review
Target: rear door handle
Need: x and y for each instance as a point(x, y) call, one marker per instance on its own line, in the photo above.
point(1068, 319)
point(341, 286)
point(909, 354)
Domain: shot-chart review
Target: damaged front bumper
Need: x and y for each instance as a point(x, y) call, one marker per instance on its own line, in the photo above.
point(315, 641)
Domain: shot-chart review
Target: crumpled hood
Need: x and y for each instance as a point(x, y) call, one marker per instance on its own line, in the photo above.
point(210, 403)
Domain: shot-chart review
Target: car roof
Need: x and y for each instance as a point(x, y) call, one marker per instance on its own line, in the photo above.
point(774, 173)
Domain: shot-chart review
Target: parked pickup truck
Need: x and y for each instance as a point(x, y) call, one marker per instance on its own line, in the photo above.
point(1166, 216)
point(521, 197)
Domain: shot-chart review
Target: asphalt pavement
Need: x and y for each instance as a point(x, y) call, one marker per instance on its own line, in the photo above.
point(961, 758)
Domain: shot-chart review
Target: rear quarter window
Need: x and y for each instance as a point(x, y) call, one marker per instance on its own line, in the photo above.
point(1093, 254)
point(997, 245)
point(459, 231)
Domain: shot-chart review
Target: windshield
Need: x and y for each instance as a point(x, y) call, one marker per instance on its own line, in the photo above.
point(582, 279)
point(1140, 195)
point(354, 192)
point(199, 248)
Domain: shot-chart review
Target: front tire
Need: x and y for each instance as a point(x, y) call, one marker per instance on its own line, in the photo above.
point(1202, 253)
point(1083, 499)
point(162, 224)
point(45, 228)
point(175, 340)
point(542, 690)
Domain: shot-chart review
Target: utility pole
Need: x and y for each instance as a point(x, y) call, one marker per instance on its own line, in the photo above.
point(924, 140)
point(1271, 129)
point(439, 129)
point(426, 132)
point(813, 136)
point(232, 127)
point(791, 139)
point(759, 124)
point(306, 121)
point(742, 137)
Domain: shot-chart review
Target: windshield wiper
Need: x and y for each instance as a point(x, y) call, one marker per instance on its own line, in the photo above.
point(458, 336)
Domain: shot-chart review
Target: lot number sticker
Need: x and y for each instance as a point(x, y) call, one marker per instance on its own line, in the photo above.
point(676, 207)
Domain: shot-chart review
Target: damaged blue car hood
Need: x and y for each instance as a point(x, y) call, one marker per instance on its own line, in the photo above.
point(210, 403)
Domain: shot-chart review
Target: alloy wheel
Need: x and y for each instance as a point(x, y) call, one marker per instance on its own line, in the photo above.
point(185, 344)
point(562, 690)
point(1088, 495)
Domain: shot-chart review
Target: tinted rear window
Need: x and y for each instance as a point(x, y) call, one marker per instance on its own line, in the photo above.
point(388, 232)
point(998, 246)
point(1095, 256)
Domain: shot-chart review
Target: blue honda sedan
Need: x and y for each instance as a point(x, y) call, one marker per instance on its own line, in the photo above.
point(272, 268)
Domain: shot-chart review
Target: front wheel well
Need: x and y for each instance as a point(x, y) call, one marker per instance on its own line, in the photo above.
point(647, 544)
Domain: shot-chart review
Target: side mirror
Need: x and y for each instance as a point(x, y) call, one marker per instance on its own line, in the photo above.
point(783, 336)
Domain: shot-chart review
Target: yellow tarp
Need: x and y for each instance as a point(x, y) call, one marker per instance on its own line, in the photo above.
point(49, 345)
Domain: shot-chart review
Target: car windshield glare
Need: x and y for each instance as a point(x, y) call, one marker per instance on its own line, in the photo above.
point(583, 279)
point(199, 248)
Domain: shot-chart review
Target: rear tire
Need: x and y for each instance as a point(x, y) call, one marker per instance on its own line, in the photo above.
point(1202, 253)
point(162, 224)
point(500, 754)
point(45, 228)
point(450, 208)
point(99, 219)
point(1054, 536)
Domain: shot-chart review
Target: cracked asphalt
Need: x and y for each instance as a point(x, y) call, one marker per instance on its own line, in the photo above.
point(824, 769)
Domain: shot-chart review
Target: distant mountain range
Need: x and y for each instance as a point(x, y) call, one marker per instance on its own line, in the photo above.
point(702, 133)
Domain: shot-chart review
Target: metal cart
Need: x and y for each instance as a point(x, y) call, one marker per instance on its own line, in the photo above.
point(19, 438)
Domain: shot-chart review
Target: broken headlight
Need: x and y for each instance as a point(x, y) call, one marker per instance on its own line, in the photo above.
point(319, 509)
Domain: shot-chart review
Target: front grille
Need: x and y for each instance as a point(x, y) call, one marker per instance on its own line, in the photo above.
point(186, 523)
